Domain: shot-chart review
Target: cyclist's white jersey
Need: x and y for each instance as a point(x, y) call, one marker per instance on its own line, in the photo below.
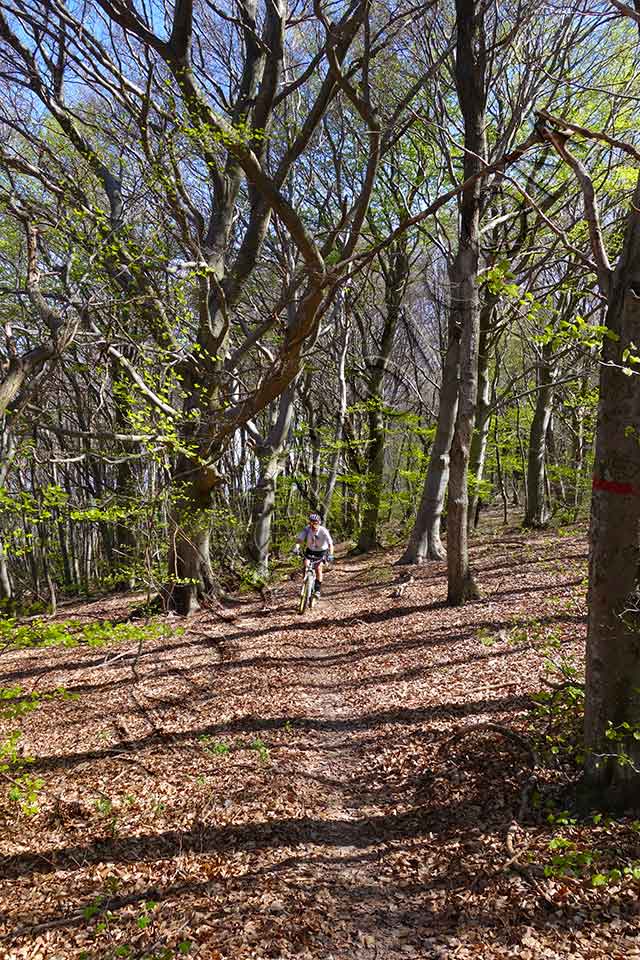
point(319, 539)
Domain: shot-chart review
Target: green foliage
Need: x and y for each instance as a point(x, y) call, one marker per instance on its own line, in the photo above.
point(527, 631)
point(568, 859)
point(500, 280)
point(15, 702)
point(24, 788)
point(261, 749)
point(577, 331)
point(72, 633)
point(557, 717)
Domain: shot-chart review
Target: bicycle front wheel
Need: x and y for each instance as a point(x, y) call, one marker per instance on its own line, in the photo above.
point(305, 594)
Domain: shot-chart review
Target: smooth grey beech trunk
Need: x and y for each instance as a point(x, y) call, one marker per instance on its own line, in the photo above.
point(537, 512)
point(465, 300)
point(612, 770)
point(424, 540)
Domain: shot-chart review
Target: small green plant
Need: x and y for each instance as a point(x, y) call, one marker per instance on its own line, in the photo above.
point(261, 749)
point(24, 788)
point(15, 701)
point(217, 747)
point(630, 871)
point(145, 919)
point(104, 805)
point(568, 859)
point(93, 908)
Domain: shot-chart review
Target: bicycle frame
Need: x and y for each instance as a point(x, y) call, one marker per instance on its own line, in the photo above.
point(307, 592)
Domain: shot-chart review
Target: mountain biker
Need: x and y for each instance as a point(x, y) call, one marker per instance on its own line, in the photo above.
point(317, 544)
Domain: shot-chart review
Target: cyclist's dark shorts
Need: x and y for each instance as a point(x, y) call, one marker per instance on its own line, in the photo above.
point(315, 554)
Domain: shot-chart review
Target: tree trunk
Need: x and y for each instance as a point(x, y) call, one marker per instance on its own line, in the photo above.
point(424, 540)
point(537, 513)
point(271, 456)
point(503, 489)
point(483, 417)
point(465, 302)
point(396, 273)
point(461, 585)
point(368, 536)
point(6, 592)
point(341, 415)
point(612, 709)
point(190, 573)
point(124, 547)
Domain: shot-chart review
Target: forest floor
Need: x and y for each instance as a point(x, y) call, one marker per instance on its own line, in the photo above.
point(259, 784)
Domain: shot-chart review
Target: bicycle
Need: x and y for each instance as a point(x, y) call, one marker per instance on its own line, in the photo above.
point(308, 590)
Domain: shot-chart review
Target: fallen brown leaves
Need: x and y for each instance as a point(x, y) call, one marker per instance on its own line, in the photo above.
point(276, 786)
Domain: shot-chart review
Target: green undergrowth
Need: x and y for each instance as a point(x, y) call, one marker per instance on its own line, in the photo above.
point(73, 633)
point(15, 702)
point(582, 850)
point(595, 851)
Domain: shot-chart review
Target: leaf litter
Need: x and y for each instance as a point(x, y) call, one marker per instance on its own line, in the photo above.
point(329, 786)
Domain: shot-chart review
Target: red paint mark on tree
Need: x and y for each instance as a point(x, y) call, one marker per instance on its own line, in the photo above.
point(613, 486)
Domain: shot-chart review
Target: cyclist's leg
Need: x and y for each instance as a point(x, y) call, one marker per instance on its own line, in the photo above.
point(319, 570)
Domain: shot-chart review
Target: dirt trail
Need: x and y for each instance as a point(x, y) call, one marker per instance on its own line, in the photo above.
point(270, 785)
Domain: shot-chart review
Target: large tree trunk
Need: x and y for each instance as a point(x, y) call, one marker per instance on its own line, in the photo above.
point(537, 513)
point(465, 301)
point(612, 720)
point(271, 456)
point(190, 573)
point(424, 540)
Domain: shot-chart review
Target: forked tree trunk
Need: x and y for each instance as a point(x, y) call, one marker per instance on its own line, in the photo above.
point(612, 720)
point(461, 585)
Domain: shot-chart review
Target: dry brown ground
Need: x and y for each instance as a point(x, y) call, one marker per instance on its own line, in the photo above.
point(339, 824)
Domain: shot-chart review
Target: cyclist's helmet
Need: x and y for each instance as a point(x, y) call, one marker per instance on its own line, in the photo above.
point(314, 518)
